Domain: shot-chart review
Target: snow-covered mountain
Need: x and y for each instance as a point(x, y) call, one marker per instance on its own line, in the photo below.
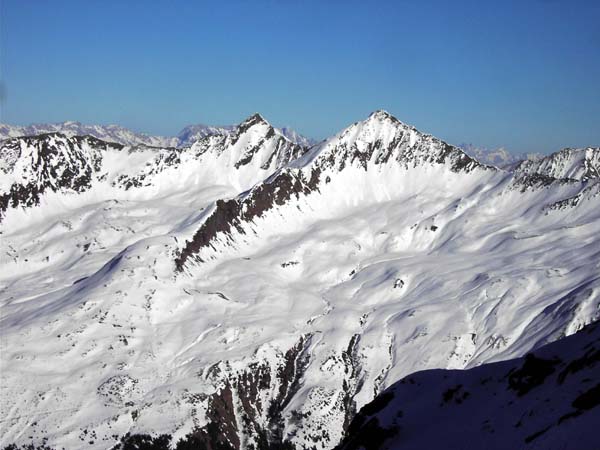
point(296, 137)
point(114, 133)
point(579, 164)
point(549, 399)
point(193, 133)
point(249, 292)
point(55, 163)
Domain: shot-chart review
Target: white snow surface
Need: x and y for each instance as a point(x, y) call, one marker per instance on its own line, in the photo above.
point(407, 256)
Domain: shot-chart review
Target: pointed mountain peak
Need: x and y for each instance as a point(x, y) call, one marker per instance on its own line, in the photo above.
point(382, 117)
point(381, 139)
point(381, 114)
point(254, 119)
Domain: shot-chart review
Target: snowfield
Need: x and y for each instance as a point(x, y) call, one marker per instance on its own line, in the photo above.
point(248, 291)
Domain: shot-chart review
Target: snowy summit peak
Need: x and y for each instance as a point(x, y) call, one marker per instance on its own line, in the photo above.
point(381, 114)
point(382, 117)
point(256, 122)
point(254, 119)
point(382, 139)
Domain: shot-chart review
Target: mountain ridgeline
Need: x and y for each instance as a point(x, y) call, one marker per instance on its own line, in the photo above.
point(244, 288)
point(58, 163)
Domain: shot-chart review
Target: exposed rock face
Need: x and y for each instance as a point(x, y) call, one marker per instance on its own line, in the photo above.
point(247, 409)
point(231, 214)
point(549, 399)
point(250, 406)
point(50, 162)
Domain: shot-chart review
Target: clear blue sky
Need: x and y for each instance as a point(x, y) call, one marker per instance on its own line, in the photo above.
point(521, 74)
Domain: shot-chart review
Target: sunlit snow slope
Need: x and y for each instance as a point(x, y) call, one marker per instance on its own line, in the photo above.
point(248, 291)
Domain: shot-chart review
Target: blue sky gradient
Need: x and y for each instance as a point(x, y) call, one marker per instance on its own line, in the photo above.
point(520, 74)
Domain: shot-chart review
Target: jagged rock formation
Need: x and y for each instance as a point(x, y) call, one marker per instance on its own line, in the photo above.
point(577, 164)
point(34, 165)
point(247, 292)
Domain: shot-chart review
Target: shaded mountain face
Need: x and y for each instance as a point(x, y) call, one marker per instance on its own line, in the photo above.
point(247, 292)
point(549, 399)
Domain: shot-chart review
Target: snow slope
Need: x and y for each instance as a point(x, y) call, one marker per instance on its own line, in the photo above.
point(248, 293)
point(548, 400)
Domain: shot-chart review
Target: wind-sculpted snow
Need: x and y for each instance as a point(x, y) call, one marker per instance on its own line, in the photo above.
point(247, 293)
point(550, 399)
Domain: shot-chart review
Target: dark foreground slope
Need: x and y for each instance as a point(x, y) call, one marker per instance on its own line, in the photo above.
point(550, 399)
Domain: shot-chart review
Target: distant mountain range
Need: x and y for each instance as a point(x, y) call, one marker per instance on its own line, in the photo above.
point(120, 135)
point(499, 157)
